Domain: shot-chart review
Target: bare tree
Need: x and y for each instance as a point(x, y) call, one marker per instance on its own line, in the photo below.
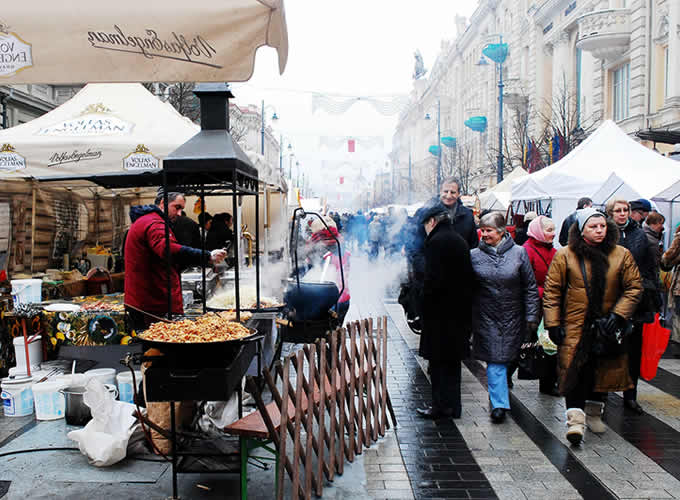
point(181, 97)
point(564, 127)
point(238, 126)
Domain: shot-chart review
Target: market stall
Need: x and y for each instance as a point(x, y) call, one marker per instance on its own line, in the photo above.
point(207, 163)
point(588, 168)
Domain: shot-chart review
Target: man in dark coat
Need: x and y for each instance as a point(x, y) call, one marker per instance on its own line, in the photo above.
point(446, 310)
point(584, 202)
point(462, 218)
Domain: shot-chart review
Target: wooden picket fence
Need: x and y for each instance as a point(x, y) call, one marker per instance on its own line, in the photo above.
point(335, 407)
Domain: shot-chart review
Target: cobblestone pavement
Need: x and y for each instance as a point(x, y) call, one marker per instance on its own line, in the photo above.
point(527, 457)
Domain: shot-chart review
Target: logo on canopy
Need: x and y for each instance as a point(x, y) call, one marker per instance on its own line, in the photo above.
point(176, 46)
point(10, 160)
point(141, 159)
point(15, 54)
point(94, 120)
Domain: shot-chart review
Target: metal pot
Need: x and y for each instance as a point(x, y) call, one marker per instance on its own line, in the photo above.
point(77, 412)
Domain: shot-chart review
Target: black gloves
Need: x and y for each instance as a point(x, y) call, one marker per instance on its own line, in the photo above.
point(556, 334)
point(532, 330)
point(612, 323)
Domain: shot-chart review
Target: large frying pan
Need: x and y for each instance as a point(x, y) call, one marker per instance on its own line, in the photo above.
point(197, 354)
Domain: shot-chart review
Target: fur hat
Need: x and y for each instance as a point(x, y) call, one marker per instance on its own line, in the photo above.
point(584, 214)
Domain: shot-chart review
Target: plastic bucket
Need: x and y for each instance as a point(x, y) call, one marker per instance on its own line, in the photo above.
point(26, 291)
point(49, 402)
point(105, 375)
point(17, 396)
point(34, 352)
point(125, 388)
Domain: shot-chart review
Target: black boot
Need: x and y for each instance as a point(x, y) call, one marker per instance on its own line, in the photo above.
point(433, 413)
point(497, 415)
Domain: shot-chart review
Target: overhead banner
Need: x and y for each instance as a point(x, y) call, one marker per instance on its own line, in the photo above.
point(73, 41)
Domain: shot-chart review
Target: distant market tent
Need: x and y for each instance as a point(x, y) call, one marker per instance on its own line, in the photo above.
point(43, 41)
point(608, 163)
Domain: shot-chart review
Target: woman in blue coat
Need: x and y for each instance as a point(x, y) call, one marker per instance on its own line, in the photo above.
point(506, 306)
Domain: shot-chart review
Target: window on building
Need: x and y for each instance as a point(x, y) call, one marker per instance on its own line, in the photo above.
point(621, 93)
point(666, 57)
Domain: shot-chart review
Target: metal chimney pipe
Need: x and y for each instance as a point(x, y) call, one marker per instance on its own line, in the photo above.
point(214, 99)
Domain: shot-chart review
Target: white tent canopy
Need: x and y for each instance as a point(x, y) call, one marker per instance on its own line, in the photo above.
point(105, 128)
point(601, 165)
point(498, 197)
point(43, 41)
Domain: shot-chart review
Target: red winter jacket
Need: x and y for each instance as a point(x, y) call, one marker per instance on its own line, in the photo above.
point(540, 256)
point(146, 278)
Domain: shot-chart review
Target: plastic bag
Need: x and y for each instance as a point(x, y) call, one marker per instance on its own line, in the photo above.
point(105, 438)
point(654, 342)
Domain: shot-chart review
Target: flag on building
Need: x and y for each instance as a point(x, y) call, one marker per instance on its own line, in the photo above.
point(351, 145)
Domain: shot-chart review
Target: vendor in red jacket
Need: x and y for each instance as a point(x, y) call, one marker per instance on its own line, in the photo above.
point(146, 278)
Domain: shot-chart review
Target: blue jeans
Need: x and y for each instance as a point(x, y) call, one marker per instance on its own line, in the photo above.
point(497, 382)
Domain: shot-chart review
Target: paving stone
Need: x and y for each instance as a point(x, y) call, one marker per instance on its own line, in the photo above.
point(375, 485)
point(405, 494)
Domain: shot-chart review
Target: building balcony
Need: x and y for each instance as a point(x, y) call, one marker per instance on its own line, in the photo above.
point(605, 33)
point(515, 94)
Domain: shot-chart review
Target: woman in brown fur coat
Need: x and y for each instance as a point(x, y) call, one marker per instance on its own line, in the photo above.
point(615, 289)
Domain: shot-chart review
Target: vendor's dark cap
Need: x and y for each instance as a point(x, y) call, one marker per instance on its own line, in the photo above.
point(431, 210)
point(641, 204)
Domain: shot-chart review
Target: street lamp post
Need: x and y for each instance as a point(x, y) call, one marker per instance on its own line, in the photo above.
point(410, 186)
point(497, 53)
point(499, 173)
point(274, 117)
point(281, 153)
point(439, 144)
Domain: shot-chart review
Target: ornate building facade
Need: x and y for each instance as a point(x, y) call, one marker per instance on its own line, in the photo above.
point(22, 103)
point(570, 65)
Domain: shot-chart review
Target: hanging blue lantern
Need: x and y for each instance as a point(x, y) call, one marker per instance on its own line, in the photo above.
point(497, 52)
point(476, 123)
point(434, 150)
point(449, 142)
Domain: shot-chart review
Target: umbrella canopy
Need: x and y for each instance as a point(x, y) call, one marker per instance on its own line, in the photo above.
point(43, 41)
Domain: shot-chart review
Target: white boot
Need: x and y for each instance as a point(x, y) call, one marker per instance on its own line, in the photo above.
point(594, 411)
point(576, 425)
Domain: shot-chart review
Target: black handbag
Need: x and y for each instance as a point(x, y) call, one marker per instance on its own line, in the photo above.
point(606, 343)
point(530, 361)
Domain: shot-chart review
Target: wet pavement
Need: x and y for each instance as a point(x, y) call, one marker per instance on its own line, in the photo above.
point(526, 457)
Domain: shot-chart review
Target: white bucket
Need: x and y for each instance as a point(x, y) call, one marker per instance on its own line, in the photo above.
point(105, 375)
point(26, 291)
point(49, 402)
point(125, 388)
point(17, 397)
point(34, 353)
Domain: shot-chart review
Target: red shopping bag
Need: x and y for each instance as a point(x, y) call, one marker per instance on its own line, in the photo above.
point(654, 342)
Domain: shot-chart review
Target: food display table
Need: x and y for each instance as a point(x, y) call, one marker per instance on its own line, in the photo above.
point(101, 321)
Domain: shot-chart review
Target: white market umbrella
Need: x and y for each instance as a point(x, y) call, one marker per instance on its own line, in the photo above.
point(43, 41)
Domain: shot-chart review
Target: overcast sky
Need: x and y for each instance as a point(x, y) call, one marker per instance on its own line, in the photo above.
point(353, 48)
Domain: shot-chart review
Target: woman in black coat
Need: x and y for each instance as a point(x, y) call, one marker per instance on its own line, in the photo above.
point(447, 283)
point(633, 237)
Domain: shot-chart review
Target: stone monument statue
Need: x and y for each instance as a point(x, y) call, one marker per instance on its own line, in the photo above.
point(418, 68)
